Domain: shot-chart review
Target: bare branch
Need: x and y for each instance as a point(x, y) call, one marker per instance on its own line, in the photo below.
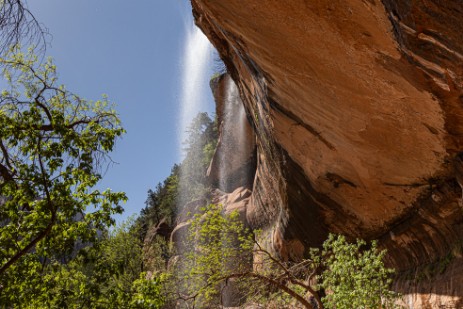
point(273, 282)
point(289, 274)
point(18, 24)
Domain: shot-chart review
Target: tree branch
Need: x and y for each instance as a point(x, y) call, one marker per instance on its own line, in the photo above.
point(26, 249)
point(47, 230)
point(5, 154)
point(42, 106)
point(273, 282)
point(18, 24)
point(290, 275)
point(5, 173)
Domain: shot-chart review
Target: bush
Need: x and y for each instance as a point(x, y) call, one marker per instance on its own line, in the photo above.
point(355, 277)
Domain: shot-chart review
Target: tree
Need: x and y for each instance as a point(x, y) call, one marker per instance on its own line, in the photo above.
point(162, 202)
point(215, 245)
point(218, 251)
point(18, 25)
point(115, 267)
point(199, 148)
point(53, 147)
point(186, 181)
point(109, 274)
point(355, 277)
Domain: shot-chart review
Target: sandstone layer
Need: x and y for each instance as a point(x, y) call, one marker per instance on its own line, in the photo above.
point(356, 107)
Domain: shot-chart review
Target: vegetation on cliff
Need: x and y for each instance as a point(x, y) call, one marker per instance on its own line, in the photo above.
point(53, 147)
point(190, 176)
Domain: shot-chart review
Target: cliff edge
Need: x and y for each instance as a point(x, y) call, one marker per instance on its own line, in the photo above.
point(357, 111)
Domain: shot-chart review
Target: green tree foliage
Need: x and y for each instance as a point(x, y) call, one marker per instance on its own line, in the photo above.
point(355, 277)
point(161, 203)
point(219, 248)
point(219, 251)
point(199, 149)
point(53, 145)
point(149, 293)
point(190, 176)
point(108, 274)
point(218, 245)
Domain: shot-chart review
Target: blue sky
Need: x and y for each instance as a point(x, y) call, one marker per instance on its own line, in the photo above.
point(132, 51)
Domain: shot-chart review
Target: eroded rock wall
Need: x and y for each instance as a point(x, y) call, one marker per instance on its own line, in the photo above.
point(356, 106)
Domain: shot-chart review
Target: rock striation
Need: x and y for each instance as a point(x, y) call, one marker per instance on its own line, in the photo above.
point(356, 107)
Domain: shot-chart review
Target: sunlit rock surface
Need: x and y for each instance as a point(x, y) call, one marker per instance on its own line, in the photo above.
point(357, 110)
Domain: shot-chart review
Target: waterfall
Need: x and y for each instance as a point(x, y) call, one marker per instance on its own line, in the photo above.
point(195, 97)
point(195, 92)
point(226, 132)
point(196, 71)
point(234, 148)
point(233, 153)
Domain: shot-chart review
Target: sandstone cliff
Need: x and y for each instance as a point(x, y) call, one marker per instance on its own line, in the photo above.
point(357, 110)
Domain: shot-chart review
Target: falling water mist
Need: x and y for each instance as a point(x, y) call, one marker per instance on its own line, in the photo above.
point(234, 170)
point(233, 146)
point(197, 64)
point(234, 149)
point(196, 71)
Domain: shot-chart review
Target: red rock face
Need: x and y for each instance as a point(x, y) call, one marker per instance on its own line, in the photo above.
point(357, 107)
